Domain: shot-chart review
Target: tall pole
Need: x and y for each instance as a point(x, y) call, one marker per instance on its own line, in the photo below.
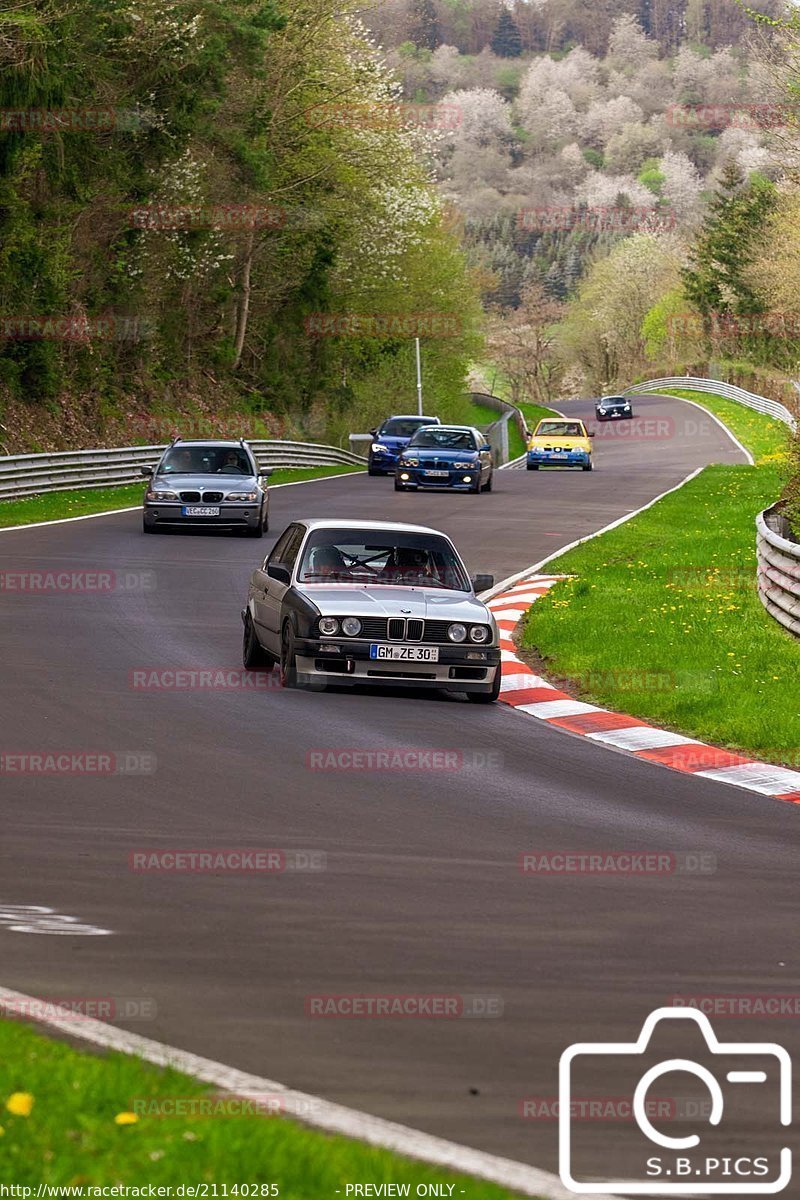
point(419, 380)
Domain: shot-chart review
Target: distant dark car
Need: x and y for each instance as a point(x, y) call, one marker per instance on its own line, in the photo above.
point(456, 457)
point(211, 484)
point(612, 408)
point(393, 437)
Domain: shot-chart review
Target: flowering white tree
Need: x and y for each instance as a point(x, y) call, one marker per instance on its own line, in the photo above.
point(599, 190)
point(629, 47)
point(632, 145)
point(478, 116)
point(607, 117)
point(577, 75)
point(682, 184)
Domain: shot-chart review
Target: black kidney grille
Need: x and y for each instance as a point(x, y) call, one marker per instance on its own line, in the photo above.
point(212, 497)
point(190, 497)
point(396, 629)
point(415, 629)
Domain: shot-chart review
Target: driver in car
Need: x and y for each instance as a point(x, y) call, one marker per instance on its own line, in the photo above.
point(231, 464)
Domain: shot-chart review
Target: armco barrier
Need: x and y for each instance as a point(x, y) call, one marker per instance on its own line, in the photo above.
point(30, 474)
point(778, 569)
point(770, 408)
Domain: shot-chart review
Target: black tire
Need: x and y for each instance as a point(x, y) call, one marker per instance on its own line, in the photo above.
point(487, 697)
point(588, 466)
point(253, 653)
point(148, 528)
point(372, 471)
point(288, 665)
point(487, 487)
point(398, 487)
point(532, 466)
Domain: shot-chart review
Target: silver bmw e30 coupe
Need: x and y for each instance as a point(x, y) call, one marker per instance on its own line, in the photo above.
point(368, 602)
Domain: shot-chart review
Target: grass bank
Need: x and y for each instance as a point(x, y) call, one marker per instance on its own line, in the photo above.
point(69, 1117)
point(54, 506)
point(662, 619)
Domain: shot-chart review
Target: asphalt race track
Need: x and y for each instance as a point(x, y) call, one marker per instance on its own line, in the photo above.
point(422, 892)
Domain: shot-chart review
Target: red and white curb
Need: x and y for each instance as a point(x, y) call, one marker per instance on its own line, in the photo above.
point(527, 692)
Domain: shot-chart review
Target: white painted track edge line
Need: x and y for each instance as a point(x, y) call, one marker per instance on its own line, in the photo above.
point(310, 1110)
point(113, 512)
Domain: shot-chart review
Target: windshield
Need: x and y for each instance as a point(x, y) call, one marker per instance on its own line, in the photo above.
point(558, 429)
point(612, 400)
point(404, 427)
point(372, 558)
point(433, 438)
point(205, 460)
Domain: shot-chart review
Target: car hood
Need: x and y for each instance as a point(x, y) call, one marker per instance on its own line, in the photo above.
point(392, 443)
point(205, 483)
point(384, 600)
point(444, 455)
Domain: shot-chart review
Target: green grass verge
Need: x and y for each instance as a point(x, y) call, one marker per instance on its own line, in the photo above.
point(663, 620)
point(70, 1136)
point(52, 506)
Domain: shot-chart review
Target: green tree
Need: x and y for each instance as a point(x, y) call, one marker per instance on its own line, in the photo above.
point(506, 41)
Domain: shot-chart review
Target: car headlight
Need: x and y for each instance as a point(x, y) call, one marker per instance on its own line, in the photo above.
point(351, 626)
point(162, 495)
point(377, 448)
point(479, 633)
point(410, 462)
point(457, 633)
point(242, 496)
point(462, 466)
point(329, 626)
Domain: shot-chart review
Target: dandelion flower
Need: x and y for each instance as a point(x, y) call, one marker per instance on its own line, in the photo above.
point(20, 1104)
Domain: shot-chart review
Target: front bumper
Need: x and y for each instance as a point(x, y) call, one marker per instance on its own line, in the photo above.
point(350, 663)
point(546, 458)
point(417, 478)
point(615, 415)
point(231, 516)
point(385, 463)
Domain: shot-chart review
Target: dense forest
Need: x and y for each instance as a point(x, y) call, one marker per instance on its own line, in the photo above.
point(243, 213)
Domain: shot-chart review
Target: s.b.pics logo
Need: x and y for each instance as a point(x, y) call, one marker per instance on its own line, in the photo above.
point(716, 1134)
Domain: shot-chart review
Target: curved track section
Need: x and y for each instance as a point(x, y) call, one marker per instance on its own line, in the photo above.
point(422, 893)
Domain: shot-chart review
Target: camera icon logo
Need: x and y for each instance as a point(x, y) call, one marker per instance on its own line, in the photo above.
point(663, 1164)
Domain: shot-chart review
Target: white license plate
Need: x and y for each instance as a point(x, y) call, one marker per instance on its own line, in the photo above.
point(405, 653)
point(200, 510)
point(559, 456)
point(438, 474)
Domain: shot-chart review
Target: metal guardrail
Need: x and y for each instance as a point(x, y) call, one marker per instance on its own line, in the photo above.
point(30, 474)
point(778, 569)
point(769, 408)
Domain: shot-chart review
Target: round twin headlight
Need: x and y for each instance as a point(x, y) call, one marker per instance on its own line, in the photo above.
point(328, 626)
point(351, 626)
point(479, 633)
point(457, 633)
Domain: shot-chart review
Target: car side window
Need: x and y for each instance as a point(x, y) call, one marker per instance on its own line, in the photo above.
point(293, 547)
point(279, 549)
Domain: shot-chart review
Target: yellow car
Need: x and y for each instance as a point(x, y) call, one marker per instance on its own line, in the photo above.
point(560, 442)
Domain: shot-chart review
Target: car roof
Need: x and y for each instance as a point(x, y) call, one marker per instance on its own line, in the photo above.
point(561, 421)
point(410, 417)
point(613, 398)
point(383, 526)
point(459, 428)
point(179, 443)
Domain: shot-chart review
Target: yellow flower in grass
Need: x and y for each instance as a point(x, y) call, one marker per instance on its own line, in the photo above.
point(126, 1118)
point(20, 1104)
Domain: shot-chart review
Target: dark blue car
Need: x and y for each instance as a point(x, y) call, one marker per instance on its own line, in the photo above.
point(392, 438)
point(456, 457)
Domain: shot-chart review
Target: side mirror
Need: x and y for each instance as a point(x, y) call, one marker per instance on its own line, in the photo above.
point(279, 572)
point(592, 432)
point(266, 472)
point(482, 583)
point(373, 432)
point(146, 471)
